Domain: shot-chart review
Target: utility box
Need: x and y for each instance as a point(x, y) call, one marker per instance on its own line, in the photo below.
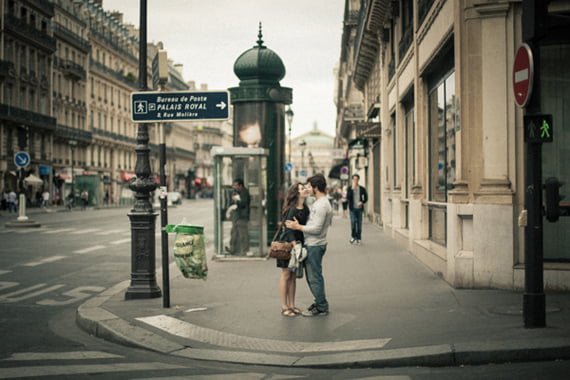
point(250, 165)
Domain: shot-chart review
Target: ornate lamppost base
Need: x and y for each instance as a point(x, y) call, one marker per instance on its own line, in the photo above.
point(143, 275)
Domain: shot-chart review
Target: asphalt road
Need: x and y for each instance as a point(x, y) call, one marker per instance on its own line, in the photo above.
point(46, 272)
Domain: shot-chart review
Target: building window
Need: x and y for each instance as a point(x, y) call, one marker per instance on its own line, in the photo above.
point(395, 150)
point(443, 117)
point(409, 160)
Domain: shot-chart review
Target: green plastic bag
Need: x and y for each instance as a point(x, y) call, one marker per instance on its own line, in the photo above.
point(189, 250)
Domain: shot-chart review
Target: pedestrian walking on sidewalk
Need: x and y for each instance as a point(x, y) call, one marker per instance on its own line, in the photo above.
point(45, 198)
point(315, 232)
point(294, 208)
point(12, 201)
point(344, 201)
point(356, 196)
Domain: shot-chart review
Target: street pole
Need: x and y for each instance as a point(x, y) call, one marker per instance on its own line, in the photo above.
point(289, 113)
point(142, 216)
point(534, 299)
point(164, 219)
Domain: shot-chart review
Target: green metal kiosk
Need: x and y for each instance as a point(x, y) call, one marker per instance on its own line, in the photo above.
point(250, 165)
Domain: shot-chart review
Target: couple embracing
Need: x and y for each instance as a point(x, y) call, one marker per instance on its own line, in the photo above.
point(307, 225)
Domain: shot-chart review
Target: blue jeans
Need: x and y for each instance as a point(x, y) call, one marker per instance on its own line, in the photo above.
point(315, 279)
point(356, 223)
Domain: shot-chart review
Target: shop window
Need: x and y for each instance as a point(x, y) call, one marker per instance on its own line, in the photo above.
point(443, 122)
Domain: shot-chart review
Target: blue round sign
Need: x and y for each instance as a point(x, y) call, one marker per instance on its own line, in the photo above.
point(22, 159)
point(288, 167)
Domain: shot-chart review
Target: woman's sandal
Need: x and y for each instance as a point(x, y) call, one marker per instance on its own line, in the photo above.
point(296, 310)
point(288, 313)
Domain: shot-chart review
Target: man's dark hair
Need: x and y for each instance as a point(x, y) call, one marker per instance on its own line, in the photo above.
point(239, 181)
point(356, 175)
point(318, 181)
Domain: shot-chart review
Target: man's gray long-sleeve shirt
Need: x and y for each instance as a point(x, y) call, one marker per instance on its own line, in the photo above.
point(320, 218)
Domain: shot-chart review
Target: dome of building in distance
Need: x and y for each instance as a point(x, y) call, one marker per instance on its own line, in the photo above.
point(259, 63)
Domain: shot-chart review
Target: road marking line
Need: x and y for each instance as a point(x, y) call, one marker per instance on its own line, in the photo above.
point(87, 231)
point(44, 261)
point(202, 334)
point(77, 355)
point(90, 249)
point(120, 241)
point(59, 230)
point(4, 271)
point(59, 370)
point(7, 298)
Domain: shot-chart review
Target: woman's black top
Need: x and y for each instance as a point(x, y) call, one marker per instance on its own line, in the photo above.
point(302, 215)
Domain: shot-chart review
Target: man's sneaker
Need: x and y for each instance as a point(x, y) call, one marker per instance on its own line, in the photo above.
point(357, 242)
point(352, 241)
point(312, 307)
point(315, 313)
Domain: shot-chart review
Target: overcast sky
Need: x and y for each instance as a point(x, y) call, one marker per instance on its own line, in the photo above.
point(208, 36)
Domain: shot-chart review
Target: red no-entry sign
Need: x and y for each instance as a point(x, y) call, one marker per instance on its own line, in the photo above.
point(523, 72)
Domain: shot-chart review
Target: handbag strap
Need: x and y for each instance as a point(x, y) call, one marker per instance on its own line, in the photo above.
point(281, 226)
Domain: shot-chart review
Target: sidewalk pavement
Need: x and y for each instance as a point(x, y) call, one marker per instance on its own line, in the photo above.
point(386, 309)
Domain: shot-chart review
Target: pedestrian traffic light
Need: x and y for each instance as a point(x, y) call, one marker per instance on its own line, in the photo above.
point(552, 197)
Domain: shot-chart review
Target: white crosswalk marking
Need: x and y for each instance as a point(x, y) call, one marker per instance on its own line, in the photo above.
point(4, 271)
point(59, 230)
point(44, 261)
point(120, 241)
point(9, 298)
point(86, 231)
point(90, 249)
point(74, 355)
point(68, 370)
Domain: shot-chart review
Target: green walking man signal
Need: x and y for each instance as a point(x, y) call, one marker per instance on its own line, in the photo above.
point(538, 128)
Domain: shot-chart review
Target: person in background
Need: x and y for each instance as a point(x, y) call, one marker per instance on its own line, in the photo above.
point(12, 201)
point(240, 220)
point(45, 198)
point(344, 202)
point(294, 207)
point(356, 197)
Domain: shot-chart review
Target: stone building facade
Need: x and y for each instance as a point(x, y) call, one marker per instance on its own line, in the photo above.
point(426, 88)
point(67, 69)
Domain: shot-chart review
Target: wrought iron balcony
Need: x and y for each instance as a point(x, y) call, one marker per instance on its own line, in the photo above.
point(70, 133)
point(73, 70)
point(72, 38)
point(128, 79)
point(30, 33)
point(25, 117)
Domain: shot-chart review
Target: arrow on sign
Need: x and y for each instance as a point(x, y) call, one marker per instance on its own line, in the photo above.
point(221, 105)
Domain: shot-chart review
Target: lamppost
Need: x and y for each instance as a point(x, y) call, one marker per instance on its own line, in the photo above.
point(72, 144)
point(142, 216)
point(302, 145)
point(289, 114)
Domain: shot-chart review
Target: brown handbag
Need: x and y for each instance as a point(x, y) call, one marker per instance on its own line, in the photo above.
point(280, 250)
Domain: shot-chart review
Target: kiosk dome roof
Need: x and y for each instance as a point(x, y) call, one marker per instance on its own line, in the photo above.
point(259, 63)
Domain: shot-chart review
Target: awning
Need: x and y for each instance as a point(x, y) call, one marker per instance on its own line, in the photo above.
point(33, 180)
point(335, 170)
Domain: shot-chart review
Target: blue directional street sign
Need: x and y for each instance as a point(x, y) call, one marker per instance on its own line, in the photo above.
point(288, 167)
point(22, 159)
point(152, 106)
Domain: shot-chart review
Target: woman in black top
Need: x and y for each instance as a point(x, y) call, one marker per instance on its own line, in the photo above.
point(294, 207)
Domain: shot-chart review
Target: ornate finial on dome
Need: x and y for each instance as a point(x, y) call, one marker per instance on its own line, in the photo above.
point(259, 36)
